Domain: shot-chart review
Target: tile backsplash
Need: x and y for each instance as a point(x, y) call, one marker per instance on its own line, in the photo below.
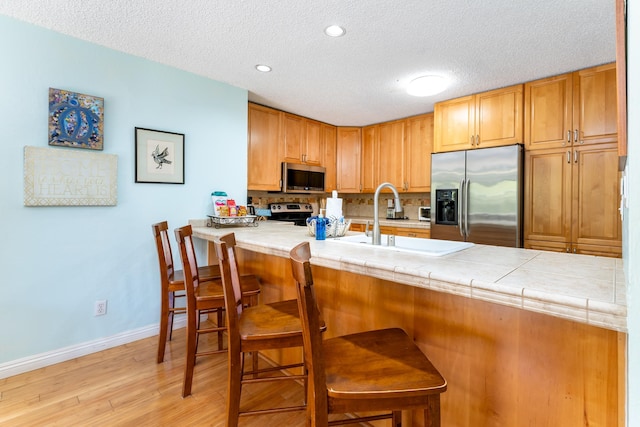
point(353, 205)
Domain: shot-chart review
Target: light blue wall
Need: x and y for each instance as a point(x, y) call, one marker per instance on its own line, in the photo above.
point(56, 261)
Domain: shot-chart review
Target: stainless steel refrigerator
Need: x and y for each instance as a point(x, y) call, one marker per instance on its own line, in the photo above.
point(477, 195)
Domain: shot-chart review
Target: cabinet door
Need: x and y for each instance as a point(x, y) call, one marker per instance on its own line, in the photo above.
point(499, 117)
point(548, 112)
point(312, 147)
point(357, 227)
point(548, 197)
point(454, 124)
point(390, 154)
point(418, 147)
point(328, 142)
point(595, 105)
point(596, 192)
point(413, 232)
point(264, 154)
point(348, 153)
point(293, 134)
point(369, 179)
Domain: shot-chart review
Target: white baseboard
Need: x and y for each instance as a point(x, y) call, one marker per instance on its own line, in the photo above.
point(41, 360)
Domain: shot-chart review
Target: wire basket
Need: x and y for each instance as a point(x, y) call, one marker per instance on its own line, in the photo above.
point(334, 228)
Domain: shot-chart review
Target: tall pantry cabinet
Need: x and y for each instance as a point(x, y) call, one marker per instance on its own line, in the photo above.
point(571, 163)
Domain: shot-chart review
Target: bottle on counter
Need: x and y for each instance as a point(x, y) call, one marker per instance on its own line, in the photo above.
point(321, 226)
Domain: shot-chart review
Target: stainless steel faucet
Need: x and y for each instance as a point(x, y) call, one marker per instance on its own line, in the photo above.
point(376, 214)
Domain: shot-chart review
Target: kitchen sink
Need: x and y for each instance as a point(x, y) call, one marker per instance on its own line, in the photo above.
point(431, 247)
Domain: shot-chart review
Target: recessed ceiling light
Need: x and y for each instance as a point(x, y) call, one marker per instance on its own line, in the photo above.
point(335, 31)
point(427, 85)
point(263, 68)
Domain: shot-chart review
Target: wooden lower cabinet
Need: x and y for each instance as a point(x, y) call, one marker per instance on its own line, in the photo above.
point(396, 231)
point(357, 227)
point(504, 366)
point(571, 200)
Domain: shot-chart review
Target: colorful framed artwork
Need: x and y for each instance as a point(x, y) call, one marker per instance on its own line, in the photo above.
point(75, 120)
point(159, 156)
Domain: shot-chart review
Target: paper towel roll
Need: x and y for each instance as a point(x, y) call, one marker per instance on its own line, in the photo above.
point(334, 208)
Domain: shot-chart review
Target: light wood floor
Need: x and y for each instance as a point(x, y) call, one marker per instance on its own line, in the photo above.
point(124, 386)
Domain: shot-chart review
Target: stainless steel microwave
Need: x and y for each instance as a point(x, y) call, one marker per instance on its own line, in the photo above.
point(298, 178)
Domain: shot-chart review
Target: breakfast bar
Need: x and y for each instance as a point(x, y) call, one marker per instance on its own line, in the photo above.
point(523, 337)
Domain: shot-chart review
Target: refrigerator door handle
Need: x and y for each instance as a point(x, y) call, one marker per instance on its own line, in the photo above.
point(461, 208)
point(466, 208)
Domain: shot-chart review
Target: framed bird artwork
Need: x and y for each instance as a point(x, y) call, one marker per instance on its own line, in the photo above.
point(159, 156)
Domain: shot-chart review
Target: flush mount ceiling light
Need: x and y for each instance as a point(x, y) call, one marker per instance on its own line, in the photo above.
point(427, 86)
point(335, 31)
point(263, 68)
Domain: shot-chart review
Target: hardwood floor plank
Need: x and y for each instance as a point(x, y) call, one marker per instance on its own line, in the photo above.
point(123, 386)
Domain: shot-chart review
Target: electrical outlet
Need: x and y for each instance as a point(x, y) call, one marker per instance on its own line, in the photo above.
point(100, 308)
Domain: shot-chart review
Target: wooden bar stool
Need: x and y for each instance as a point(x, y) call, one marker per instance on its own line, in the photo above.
point(253, 329)
point(172, 281)
point(380, 370)
point(201, 297)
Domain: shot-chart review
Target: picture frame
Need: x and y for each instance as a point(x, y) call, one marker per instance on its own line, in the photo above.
point(75, 120)
point(159, 156)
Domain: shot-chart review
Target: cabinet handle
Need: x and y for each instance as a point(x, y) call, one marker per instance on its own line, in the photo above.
point(575, 135)
point(471, 140)
point(575, 156)
point(568, 138)
point(477, 140)
point(568, 156)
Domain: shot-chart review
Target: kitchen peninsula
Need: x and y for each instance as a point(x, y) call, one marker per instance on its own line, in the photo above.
point(523, 337)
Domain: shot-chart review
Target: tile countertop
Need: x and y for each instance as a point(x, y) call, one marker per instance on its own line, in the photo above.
point(582, 288)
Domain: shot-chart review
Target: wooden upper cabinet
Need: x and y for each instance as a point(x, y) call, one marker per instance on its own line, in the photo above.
point(499, 117)
point(264, 153)
point(313, 148)
point(348, 154)
point(398, 152)
point(391, 141)
point(418, 147)
point(454, 124)
point(369, 157)
point(328, 137)
point(488, 119)
point(595, 109)
point(571, 109)
point(301, 140)
point(548, 112)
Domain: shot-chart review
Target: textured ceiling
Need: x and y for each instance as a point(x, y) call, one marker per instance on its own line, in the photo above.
point(357, 79)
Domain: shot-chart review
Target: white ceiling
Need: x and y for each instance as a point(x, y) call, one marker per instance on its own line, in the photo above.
point(357, 79)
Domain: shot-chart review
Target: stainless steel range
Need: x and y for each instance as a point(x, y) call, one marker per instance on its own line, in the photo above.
point(292, 212)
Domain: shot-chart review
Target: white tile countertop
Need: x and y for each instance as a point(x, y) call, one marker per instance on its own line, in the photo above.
point(582, 288)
